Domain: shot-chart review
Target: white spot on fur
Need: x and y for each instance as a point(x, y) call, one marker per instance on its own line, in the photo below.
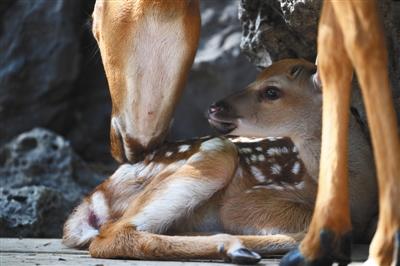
point(172, 202)
point(253, 158)
point(273, 151)
point(261, 158)
point(277, 151)
point(183, 148)
point(296, 168)
point(213, 144)
point(168, 154)
point(247, 140)
point(284, 150)
point(100, 207)
point(259, 149)
point(295, 149)
point(246, 150)
point(259, 176)
point(276, 169)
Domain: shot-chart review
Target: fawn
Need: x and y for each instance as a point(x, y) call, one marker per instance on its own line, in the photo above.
point(263, 186)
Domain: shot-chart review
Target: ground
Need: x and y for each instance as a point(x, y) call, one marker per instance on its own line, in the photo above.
point(41, 252)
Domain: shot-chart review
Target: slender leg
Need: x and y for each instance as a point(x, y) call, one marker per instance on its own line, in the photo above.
point(121, 240)
point(365, 45)
point(328, 237)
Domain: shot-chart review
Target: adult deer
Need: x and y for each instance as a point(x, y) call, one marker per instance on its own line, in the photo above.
point(147, 48)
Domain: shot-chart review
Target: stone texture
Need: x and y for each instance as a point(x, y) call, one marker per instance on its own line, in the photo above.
point(33, 211)
point(274, 30)
point(51, 74)
point(39, 63)
point(41, 180)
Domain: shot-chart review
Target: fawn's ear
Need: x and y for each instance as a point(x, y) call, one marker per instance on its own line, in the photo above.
point(295, 71)
point(316, 81)
point(315, 78)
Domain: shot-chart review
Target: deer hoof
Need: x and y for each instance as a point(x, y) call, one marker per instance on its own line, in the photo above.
point(243, 256)
point(333, 249)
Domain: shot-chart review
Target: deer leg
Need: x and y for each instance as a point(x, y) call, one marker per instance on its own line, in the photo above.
point(328, 239)
point(147, 49)
point(121, 240)
point(365, 45)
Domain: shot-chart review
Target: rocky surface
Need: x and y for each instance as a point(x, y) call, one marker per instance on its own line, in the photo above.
point(274, 30)
point(41, 179)
point(39, 64)
point(32, 211)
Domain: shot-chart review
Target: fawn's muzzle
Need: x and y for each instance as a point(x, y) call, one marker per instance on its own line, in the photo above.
point(221, 118)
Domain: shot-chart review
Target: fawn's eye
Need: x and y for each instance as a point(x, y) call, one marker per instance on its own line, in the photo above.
point(270, 93)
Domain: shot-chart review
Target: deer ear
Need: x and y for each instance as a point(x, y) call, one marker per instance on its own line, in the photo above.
point(295, 71)
point(316, 81)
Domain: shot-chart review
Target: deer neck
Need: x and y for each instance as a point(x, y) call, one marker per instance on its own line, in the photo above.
point(309, 146)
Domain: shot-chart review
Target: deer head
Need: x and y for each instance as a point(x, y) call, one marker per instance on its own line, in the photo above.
point(147, 48)
point(277, 104)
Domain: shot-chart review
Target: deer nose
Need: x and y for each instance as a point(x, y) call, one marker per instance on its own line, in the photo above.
point(217, 107)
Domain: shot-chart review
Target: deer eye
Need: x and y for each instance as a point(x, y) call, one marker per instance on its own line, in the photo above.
point(270, 93)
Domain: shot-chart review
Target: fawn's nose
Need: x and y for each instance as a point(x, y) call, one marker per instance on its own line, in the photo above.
point(218, 107)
